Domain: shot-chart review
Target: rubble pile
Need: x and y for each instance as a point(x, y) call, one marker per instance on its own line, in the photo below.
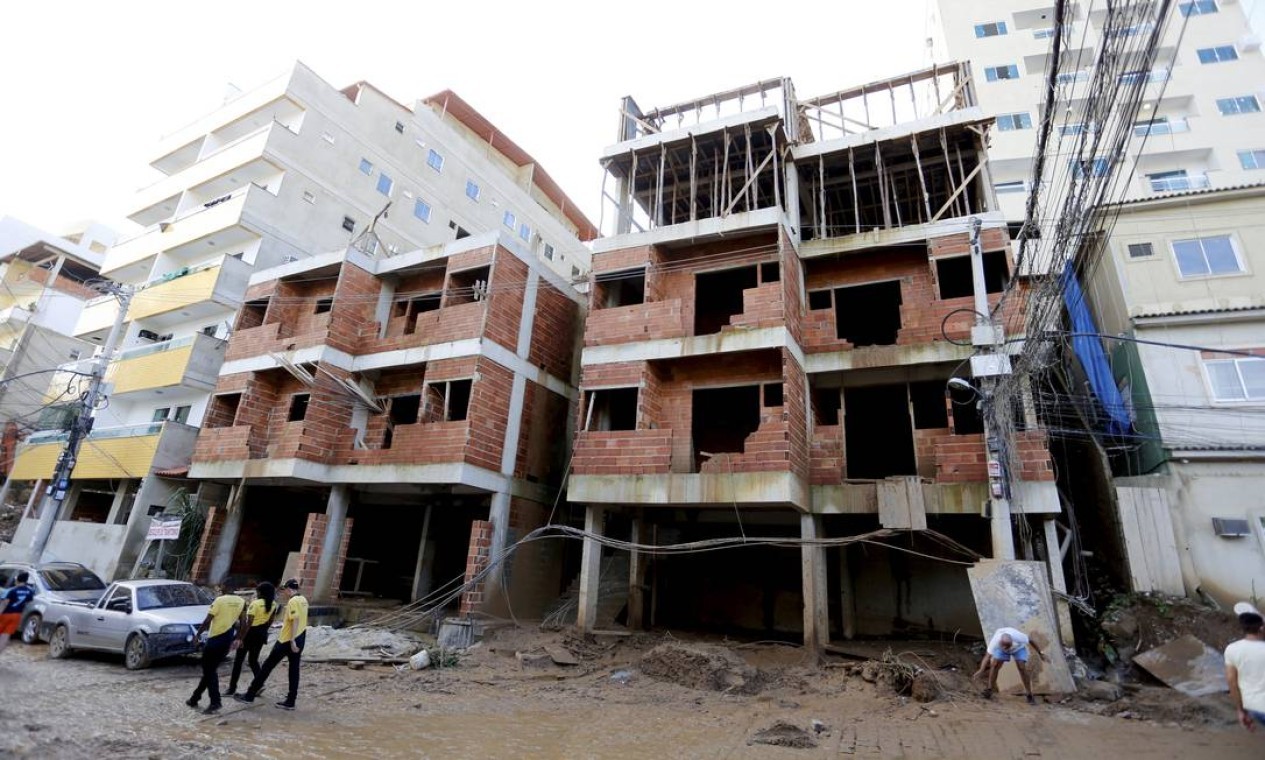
point(700, 666)
point(326, 643)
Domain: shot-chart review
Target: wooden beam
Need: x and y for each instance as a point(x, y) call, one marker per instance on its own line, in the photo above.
point(959, 189)
point(743, 191)
point(922, 180)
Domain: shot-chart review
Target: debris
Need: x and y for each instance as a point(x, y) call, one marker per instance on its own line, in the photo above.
point(783, 734)
point(1186, 664)
point(420, 661)
point(365, 644)
point(819, 727)
point(621, 677)
point(1016, 594)
point(701, 666)
point(561, 656)
point(1100, 691)
point(356, 664)
point(528, 660)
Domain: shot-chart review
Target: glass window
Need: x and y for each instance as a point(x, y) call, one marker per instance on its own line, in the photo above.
point(71, 579)
point(995, 73)
point(548, 251)
point(366, 166)
point(1097, 167)
point(170, 595)
point(421, 210)
point(1237, 379)
point(1141, 250)
point(1010, 121)
point(472, 190)
point(434, 160)
point(1237, 105)
point(385, 184)
point(1252, 159)
point(508, 220)
point(524, 232)
point(160, 415)
point(1200, 257)
point(1217, 54)
point(121, 594)
point(994, 29)
point(182, 414)
point(1198, 8)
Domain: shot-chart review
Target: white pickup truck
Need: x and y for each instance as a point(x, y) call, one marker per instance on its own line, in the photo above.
point(144, 620)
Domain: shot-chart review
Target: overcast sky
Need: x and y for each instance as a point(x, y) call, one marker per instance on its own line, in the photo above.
point(90, 87)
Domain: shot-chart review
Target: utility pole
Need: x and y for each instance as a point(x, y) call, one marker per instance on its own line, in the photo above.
point(986, 368)
point(79, 429)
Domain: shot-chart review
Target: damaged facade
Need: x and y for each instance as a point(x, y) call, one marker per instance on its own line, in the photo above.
point(771, 328)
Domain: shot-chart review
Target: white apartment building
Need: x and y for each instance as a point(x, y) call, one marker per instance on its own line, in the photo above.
point(44, 284)
point(1203, 117)
point(294, 169)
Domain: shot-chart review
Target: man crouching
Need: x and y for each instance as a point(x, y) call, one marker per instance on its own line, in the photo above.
point(1006, 645)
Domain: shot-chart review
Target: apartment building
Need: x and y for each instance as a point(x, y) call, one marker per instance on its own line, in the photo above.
point(772, 325)
point(1179, 272)
point(281, 176)
point(1201, 120)
point(44, 284)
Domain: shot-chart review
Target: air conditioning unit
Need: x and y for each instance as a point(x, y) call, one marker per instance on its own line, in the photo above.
point(1249, 43)
point(1230, 527)
point(147, 335)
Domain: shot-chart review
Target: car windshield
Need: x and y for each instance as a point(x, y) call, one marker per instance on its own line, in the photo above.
point(170, 595)
point(71, 579)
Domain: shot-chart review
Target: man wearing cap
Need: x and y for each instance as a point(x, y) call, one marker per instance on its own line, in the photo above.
point(289, 645)
point(1245, 667)
point(222, 619)
point(1008, 644)
point(12, 605)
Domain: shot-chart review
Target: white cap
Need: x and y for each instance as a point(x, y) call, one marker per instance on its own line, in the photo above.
point(1242, 608)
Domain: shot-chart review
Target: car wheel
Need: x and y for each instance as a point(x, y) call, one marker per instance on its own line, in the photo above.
point(59, 644)
point(31, 628)
point(136, 653)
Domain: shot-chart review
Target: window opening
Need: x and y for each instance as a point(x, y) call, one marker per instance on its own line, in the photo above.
point(929, 405)
point(611, 409)
point(773, 395)
point(878, 433)
point(819, 299)
point(722, 418)
point(323, 305)
point(868, 315)
point(826, 405)
point(966, 416)
point(718, 297)
point(468, 286)
point(614, 289)
point(298, 406)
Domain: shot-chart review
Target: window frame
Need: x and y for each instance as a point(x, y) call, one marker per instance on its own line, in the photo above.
point(1196, 8)
point(1257, 156)
point(508, 220)
point(418, 203)
point(1018, 120)
point(435, 160)
point(1237, 101)
point(999, 29)
point(1129, 255)
point(1215, 54)
point(471, 184)
point(992, 73)
point(390, 183)
point(1233, 361)
point(1234, 247)
point(366, 167)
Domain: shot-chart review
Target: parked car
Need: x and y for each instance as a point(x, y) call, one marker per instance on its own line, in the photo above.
point(53, 582)
point(144, 620)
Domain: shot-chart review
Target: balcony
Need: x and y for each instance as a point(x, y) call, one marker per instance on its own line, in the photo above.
point(178, 297)
point(215, 225)
point(130, 451)
point(193, 361)
point(229, 167)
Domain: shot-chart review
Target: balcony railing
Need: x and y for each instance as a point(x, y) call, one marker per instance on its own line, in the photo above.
point(1177, 184)
point(1168, 127)
point(126, 451)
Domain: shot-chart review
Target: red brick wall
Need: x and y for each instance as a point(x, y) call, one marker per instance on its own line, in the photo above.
point(554, 332)
point(428, 281)
point(826, 455)
point(477, 559)
point(542, 435)
point(1033, 448)
point(622, 452)
point(355, 304)
point(310, 553)
point(211, 531)
point(505, 299)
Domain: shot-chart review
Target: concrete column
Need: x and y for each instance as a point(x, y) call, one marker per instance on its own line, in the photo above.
point(590, 570)
point(222, 560)
point(1058, 582)
point(813, 566)
point(847, 594)
point(37, 492)
point(421, 576)
point(117, 504)
point(637, 576)
point(335, 522)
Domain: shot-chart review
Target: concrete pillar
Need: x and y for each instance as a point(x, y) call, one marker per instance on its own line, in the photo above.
point(421, 576)
point(847, 594)
point(1058, 582)
point(32, 503)
point(222, 560)
point(335, 522)
point(117, 504)
point(590, 570)
point(813, 566)
point(637, 576)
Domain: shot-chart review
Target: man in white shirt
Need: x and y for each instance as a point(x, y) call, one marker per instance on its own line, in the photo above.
point(1245, 667)
point(1006, 645)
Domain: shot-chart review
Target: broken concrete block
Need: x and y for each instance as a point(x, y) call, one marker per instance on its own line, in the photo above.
point(1186, 664)
point(561, 656)
point(1015, 594)
point(1100, 691)
point(533, 660)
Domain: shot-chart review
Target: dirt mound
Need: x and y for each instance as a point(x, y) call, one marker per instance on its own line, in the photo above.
point(1161, 704)
point(1140, 622)
point(783, 734)
point(930, 685)
point(701, 666)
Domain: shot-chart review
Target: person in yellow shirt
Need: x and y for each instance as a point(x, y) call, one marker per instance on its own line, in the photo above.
point(289, 645)
point(220, 625)
point(253, 633)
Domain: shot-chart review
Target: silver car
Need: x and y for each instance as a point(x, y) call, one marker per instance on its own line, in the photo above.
point(144, 620)
point(53, 582)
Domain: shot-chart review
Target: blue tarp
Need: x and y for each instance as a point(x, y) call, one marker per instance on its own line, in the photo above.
point(1088, 349)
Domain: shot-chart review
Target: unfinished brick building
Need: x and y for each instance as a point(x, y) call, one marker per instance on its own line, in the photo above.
point(772, 324)
point(388, 417)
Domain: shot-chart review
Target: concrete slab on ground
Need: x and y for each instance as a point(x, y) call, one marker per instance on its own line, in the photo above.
point(1015, 594)
point(1186, 664)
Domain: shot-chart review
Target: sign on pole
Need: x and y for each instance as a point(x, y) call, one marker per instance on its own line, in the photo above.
point(163, 529)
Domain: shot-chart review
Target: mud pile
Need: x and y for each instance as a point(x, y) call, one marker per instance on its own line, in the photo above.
point(326, 643)
point(783, 734)
point(701, 666)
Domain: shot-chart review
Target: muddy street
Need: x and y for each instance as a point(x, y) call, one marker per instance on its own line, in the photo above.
point(505, 698)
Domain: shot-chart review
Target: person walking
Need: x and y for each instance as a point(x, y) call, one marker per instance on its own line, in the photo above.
point(12, 605)
point(1245, 667)
point(221, 623)
point(289, 646)
point(253, 633)
point(1006, 645)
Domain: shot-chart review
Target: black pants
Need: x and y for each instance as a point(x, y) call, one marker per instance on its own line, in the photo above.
point(213, 654)
point(248, 652)
point(279, 652)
